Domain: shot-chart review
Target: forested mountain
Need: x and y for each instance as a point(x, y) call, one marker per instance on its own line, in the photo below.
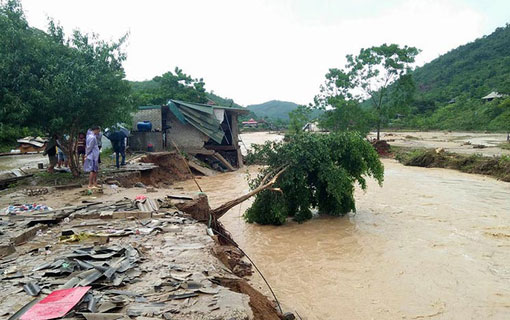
point(273, 109)
point(471, 70)
point(449, 89)
point(276, 109)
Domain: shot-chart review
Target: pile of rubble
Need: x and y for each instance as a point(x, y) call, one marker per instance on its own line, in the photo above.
point(128, 259)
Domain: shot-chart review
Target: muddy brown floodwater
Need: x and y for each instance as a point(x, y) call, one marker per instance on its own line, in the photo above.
point(429, 244)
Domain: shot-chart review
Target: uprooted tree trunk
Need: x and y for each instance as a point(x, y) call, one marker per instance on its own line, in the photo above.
point(221, 210)
point(200, 210)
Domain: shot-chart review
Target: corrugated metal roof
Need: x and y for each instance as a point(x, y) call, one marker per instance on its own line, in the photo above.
point(209, 108)
point(199, 116)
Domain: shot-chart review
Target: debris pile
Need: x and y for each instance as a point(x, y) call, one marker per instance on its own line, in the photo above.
point(123, 259)
point(25, 208)
point(32, 144)
point(382, 147)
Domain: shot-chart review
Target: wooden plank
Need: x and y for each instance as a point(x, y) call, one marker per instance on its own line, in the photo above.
point(221, 148)
point(199, 151)
point(203, 170)
point(224, 161)
point(13, 179)
point(235, 138)
point(131, 214)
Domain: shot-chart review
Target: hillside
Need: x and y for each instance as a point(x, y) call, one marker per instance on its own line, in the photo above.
point(449, 88)
point(471, 70)
point(276, 109)
point(273, 109)
point(222, 101)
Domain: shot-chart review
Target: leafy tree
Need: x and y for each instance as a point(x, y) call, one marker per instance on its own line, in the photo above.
point(298, 118)
point(58, 85)
point(377, 75)
point(170, 85)
point(346, 115)
point(86, 87)
point(319, 171)
point(22, 55)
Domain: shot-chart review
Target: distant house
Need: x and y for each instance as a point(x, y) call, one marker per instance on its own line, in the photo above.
point(252, 123)
point(312, 127)
point(198, 129)
point(32, 144)
point(493, 95)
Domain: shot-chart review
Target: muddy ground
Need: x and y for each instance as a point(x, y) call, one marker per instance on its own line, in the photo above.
point(457, 142)
point(180, 246)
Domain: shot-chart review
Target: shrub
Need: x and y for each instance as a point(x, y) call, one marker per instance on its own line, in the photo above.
point(320, 173)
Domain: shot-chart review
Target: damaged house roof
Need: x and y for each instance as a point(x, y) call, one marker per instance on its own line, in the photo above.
point(205, 118)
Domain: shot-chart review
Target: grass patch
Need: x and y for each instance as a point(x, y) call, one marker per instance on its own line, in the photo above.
point(505, 145)
point(106, 158)
point(498, 167)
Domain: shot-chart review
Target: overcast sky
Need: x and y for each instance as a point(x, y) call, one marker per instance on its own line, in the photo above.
point(254, 51)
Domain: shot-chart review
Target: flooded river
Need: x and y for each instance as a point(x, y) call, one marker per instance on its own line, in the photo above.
point(429, 244)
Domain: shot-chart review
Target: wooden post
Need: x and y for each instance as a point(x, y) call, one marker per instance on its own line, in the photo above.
point(235, 138)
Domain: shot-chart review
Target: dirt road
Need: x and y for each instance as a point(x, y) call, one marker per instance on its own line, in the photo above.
point(429, 244)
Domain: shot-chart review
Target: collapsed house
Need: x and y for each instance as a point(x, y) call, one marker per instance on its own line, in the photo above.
point(206, 131)
point(32, 144)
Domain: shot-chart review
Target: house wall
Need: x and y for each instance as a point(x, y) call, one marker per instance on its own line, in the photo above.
point(138, 141)
point(184, 135)
point(152, 115)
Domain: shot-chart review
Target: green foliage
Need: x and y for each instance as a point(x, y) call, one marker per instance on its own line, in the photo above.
point(221, 101)
point(465, 114)
point(450, 88)
point(298, 118)
point(377, 75)
point(170, 85)
point(472, 70)
point(346, 115)
point(321, 172)
point(505, 145)
point(57, 85)
point(60, 83)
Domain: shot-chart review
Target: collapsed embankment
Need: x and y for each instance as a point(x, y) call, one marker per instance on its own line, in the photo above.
point(496, 166)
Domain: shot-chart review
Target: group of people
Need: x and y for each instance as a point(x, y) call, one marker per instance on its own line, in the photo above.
point(88, 148)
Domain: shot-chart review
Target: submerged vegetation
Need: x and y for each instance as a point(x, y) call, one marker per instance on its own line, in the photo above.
point(495, 166)
point(320, 173)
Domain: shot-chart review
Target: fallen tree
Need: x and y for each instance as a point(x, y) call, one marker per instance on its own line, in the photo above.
point(309, 171)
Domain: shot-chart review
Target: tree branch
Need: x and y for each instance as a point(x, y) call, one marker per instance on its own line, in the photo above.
point(221, 210)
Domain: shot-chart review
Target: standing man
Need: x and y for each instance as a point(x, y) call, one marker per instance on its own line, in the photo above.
point(92, 156)
point(80, 147)
point(118, 139)
point(51, 151)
